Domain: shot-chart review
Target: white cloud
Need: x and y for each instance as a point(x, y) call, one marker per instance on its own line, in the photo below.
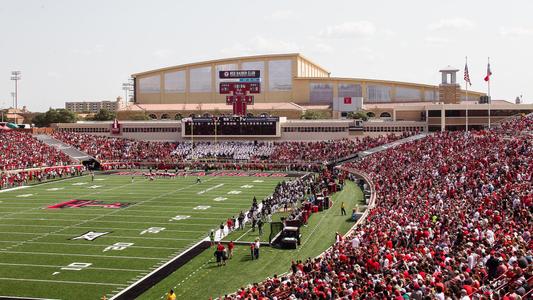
point(516, 31)
point(53, 74)
point(260, 44)
point(323, 48)
point(454, 23)
point(349, 30)
point(436, 41)
point(280, 15)
point(96, 49)
point(162, 53)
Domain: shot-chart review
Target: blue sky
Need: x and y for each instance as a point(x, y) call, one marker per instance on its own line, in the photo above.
point(84, 50)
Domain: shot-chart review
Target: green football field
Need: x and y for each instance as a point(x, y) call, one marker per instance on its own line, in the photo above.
point(45, 252)
point(201, 278)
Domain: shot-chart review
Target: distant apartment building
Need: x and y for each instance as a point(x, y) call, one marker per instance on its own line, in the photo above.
point(92, 106)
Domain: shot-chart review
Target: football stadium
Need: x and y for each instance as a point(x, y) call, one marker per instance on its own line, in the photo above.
point(264, 176)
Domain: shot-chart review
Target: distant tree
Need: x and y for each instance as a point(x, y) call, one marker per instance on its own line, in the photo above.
point(104, 115)
point(359, 115)
point(54, 116)
point(314, 115)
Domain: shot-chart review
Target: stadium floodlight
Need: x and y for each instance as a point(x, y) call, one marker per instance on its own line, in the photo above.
point(15, 76)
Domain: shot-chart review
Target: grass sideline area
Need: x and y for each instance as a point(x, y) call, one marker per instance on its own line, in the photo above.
point(201, 278)
point(40, 256)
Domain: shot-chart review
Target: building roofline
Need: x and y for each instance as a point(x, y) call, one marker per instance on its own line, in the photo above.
point(378, 81)
point(212, 61)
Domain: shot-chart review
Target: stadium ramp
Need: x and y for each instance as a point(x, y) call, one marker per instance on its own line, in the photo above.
point(65, 148)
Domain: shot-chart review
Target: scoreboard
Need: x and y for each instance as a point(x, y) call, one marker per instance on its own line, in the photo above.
point(231, 127)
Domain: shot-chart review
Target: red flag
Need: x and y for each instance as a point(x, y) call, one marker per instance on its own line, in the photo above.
point(487, 77)
point(347, 100)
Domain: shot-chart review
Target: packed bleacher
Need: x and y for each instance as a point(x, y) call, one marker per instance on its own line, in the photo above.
point(109, 149)
point(15, 179)
point(452, 220)
point(20, 150)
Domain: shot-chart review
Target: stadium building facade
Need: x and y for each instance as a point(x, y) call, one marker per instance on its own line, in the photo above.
point(290, 85)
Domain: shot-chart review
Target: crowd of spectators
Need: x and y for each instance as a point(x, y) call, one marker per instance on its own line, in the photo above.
point(452, 220)
point(108, 149)
point(20, 150)
point(117, 149)
point(15, 179)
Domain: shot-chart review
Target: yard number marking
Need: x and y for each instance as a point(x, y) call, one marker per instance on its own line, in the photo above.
point(218, 199)
point(247, 186)
point(234, 192)
point(76, 266)
point(118, 246)
point(153, 230)
point(178, 218)
point(24, 195)
point(201, 207)
point(95, 186)
point(55, 189)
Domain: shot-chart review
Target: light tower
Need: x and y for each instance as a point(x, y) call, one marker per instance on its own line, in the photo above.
point(15, 76)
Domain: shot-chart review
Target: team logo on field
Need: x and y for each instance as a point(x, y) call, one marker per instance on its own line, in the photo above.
point(90, 236)
point(75, 203)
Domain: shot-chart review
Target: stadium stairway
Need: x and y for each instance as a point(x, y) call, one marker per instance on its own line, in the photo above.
point(362, 154)
point(65, 148)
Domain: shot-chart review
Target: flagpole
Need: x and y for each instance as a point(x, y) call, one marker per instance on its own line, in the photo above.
point(466, 85)
point(488, 89)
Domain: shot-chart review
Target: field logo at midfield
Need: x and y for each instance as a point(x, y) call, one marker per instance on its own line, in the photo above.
point(88, 203)
point(90, 236)
point(153, 230)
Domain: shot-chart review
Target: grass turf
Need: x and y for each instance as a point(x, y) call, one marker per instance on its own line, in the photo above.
point(36, 243)
point(201, 278)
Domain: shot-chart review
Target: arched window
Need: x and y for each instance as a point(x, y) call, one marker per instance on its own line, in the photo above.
point(164, 117)
point(371, 114)
point(152, 116)
point(385, 115)
point(178, 117)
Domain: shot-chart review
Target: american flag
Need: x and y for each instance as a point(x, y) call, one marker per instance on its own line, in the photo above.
point(467, 75)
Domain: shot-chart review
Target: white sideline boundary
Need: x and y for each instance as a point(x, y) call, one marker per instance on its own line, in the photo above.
point(156, 270)
point(26, 298)
point(15, 188)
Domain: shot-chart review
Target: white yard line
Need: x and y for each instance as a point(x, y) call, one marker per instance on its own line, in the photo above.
point(54, 266)
point(62, 281)
point(90, 245)
point(98, 217)
point(105, 236)
point(84, 255)
point(106, 228)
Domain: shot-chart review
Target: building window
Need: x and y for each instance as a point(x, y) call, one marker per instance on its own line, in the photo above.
point(149, 85)
point(280, 75)
point(350, 90)
point(321, 93)
point(407, 94)
point(200, 80)
point(378, 93)
point(175, 82)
